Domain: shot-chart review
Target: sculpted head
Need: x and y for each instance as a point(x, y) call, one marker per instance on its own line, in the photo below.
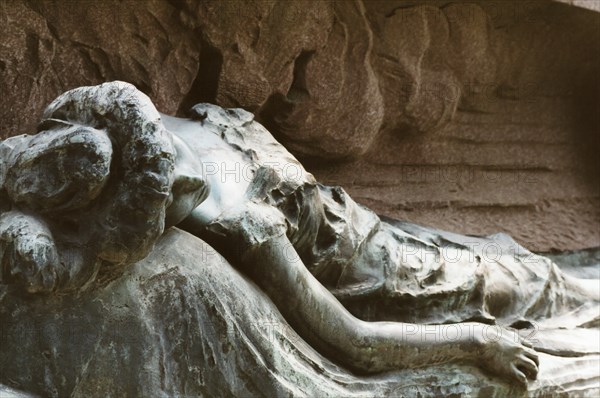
point(98, 177)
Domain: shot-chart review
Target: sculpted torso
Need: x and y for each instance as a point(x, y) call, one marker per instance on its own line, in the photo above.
point(315, 252)
point(199, 150)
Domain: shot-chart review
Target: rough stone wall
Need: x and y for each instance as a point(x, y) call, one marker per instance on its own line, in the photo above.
point(471, 116)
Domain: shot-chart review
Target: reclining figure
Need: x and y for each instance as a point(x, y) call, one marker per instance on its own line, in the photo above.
point(105, 174)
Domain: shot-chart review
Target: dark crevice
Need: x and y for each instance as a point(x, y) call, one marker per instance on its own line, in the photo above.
point(37, 7)
point(53, 31)
point(143, 86)
point(205, 85)
point(94, 66)
point(32, 45)
point(586, 115)
point(276, 109)
point(298, 91)
point(274, 112)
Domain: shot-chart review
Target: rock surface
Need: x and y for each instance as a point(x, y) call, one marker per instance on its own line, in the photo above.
point(475, 117)
point(183, 322)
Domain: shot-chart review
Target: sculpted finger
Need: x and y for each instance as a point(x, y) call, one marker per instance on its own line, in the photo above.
point(528, 367)
point(531, 354)
point(526, 343)
point(49, 279)
point(518, 375)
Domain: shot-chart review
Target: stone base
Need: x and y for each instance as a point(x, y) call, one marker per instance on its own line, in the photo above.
point(183, 322)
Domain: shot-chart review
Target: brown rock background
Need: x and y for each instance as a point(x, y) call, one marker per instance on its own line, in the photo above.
point(471, 116)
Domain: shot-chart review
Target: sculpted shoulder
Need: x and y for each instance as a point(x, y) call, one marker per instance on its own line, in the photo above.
point(231, 153)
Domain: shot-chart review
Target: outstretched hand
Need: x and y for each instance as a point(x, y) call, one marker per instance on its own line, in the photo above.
point(506, 355)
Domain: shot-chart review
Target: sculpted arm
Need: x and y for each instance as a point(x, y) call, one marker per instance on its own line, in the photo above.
point(375, 346)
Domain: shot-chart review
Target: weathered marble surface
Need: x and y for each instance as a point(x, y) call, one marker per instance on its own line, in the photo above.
point(117, 169)
point(183, 322)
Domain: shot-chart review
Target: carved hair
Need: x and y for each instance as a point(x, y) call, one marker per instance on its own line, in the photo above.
point(120, 158)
